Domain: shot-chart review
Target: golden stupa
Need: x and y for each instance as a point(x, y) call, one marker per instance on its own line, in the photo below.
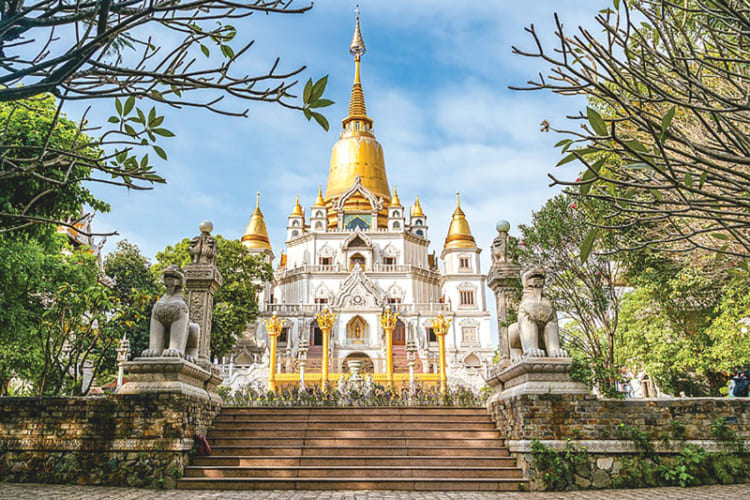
point(357, 153)
point(256, 234)
point(459, 233)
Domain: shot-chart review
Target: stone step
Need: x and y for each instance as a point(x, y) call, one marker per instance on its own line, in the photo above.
point(353, 471)
point(371, 451)
point(456, 419)
point(353, 442)
point(359, 410)
point(406, 461)
point(453, 433)
point(331, 425)
point(353, 483)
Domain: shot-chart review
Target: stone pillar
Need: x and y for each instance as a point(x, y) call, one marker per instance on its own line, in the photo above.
point(388, 321)
point(202, 281)
point(325, 322)
point(440, 326)
point(502, 280)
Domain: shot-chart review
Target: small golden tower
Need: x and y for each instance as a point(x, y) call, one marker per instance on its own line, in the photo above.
point(459, 233)
point(256, 234)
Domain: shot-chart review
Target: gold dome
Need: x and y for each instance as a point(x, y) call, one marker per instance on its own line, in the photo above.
point(416, 210)
point(357, 152)
point(256, 234)
point(395, 202)
point(297, 212)
point(319, 201)
point(459, 233)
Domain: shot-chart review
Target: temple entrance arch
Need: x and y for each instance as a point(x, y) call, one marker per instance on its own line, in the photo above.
point(399, 333)
point(367, 364)
point(356, 330)
point(316, 334)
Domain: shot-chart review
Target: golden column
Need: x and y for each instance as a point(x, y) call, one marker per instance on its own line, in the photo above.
point(388, 321)
point(273, 326)
point(325, 322)
point(440, 326)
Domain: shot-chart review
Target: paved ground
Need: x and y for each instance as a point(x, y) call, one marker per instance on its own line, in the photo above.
point(39, 491)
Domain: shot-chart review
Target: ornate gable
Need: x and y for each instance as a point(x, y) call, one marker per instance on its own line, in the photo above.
point(375, 202)
point(359, 292)
point(357, 239)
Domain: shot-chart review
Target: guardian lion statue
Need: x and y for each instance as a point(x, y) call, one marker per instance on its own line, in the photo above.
point(536, 318)
point(171, 333)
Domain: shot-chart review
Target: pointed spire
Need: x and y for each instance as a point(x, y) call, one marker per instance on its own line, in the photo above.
point(357, 109)
point(256, 234)
point(416, 210)
point(319, 201)
point(459, 233)
point(297, 212)
point(395, 202)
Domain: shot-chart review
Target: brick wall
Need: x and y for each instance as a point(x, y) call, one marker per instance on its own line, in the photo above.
point(134, 440)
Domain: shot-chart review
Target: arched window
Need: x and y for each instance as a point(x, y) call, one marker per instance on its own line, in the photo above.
point(355, 259)
point(316, 334)
point(295, 223)
point(399, 333)
point(319, 214)
point(396, 213)
point(396, 225)
point(295, 233)
point(419, 222)
point(319, 226)
point(420, 232)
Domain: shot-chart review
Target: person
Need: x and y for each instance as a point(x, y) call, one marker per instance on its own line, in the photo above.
point(741, 384)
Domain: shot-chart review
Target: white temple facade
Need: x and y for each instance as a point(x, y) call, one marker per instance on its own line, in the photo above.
point(358, 251)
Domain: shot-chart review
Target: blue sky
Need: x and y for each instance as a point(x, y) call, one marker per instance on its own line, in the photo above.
point(435, 75)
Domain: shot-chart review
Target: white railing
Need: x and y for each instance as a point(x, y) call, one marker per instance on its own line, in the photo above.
point(338, 268)
point(296, 309)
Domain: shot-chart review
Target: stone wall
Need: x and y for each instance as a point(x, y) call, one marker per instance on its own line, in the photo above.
point(603, 428)
point(134, 440)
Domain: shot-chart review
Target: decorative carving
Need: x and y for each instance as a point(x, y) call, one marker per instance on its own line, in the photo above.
point(375, 202)
point(203, 248)
point(535, 315)
point(171, 332)
point(358, 291)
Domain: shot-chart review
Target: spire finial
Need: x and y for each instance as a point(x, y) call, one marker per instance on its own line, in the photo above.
point(458, 199)
point(357, 48)
point(257, 199)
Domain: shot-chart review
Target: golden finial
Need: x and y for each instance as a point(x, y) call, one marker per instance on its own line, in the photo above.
point(357, 48)
point(416, 210)
point(395, 202)
point(388, 319)
point(325, 319)
point(440, 325)
point(459, 233)
point(274, 325)
point(319, 201)
point(256, 234)
point(297, 212)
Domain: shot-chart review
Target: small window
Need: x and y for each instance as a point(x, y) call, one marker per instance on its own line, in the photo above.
point(295, 233)
point(396, 213)
point(419, 222)
point(326, 261)
point(318, 226)
point(420, 233)
point(284, 335)
point(396, 225)
point(321, 300)
point(431, 335)
point(463, 263)
point(389, 261)
point(393, 300)
point(319, 214)
point(469, 334)
point(295, 223)
point(467, 297)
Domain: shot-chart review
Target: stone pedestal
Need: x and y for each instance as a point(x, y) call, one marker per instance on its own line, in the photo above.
point(170, 375)
point(503, 281)
point(534, 376)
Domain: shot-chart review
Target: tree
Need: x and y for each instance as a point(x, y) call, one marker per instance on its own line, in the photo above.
point(585, 290)
point(108, 49)
point(235, 303)
point(137, 289)
point(665, 141)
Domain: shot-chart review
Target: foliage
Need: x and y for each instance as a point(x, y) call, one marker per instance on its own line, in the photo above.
point(557, 467)
point(130, 52)
point(376, 395)
point(54, 191)
point(584, 288)
point(136, 289)
point(664, 141)
point(235, 303)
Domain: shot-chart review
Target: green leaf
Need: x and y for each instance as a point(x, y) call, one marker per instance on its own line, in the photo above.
point(596, 121)
point(588, 244)
point(720, 236)
point(308, 113)
point(319, 88)
point(205, 50)
point(616, 3)
point(157, 121)
point(688, 179)
point(113, 119)
point(567, 159)
point(564, 142)
point(321, 103)
point(130, 130)
point(151, 117)
point(144, 162)
point(129, 103)
point(589, 175)
point(163, 132)
point(308, 91)
point(702, 180)
point(665, 123)
point(118, 106)
point(639, 166)
point(160, 151)
point(321, 120)
point(636, 146)
point(121, 156)
point(227, 51)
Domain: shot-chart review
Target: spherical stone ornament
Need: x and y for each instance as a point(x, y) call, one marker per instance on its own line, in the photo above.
point(502, 226)
point(206, 226)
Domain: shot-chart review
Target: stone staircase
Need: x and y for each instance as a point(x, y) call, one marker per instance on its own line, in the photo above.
point(383, 448)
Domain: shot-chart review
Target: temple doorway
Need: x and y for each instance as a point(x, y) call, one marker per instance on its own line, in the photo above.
point(399, 333)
